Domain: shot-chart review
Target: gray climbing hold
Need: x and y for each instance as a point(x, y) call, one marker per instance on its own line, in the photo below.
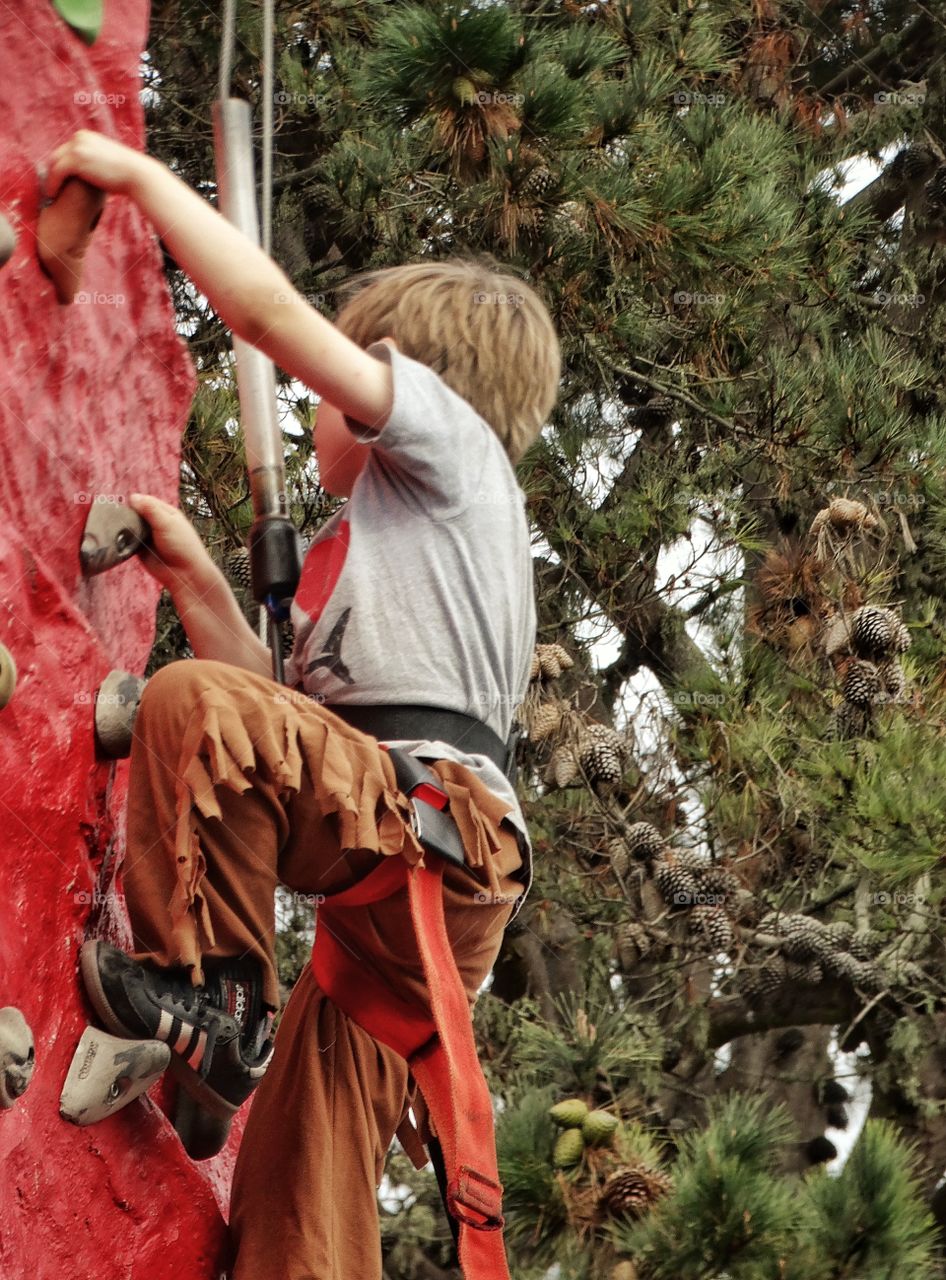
point(116, 706)
point(17, 1056)
point(113, 532)
point(7, 241)
point(107, 1073)
point(7, 676)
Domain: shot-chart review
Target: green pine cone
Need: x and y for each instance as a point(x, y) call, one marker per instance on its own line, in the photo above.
point(570, 1114)
point(598, 1126)
point(568, 1149)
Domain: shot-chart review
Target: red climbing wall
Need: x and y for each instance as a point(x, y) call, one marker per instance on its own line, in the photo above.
point(93, 399)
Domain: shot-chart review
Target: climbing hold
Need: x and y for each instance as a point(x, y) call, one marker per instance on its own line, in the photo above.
point(17, 1056)
point(84, 16)
point(116, 706)
point(63, 234)
point(106, 1073)
point(113, 533)
point(7, 676)
point(7, 241)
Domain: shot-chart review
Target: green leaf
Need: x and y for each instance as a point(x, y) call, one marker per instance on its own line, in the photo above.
point(84, 16)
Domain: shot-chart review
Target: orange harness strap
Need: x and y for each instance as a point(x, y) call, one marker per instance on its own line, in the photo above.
point(440, 1049)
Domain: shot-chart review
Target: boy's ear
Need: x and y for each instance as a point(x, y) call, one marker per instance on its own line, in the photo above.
point(389, 342)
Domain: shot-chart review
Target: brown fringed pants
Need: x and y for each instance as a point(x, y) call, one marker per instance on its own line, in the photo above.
point(237, 783)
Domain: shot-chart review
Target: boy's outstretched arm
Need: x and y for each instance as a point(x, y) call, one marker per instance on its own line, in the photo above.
point(244, 286)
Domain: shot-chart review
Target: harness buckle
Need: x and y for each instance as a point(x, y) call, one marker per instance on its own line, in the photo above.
point(476, 1200)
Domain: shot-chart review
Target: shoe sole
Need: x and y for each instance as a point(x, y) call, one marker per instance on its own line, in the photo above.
point(186, 1076)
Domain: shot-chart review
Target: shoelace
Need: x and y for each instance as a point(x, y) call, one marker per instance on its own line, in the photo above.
point(197, 999)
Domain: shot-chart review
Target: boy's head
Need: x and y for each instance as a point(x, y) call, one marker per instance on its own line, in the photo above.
point(487, 334)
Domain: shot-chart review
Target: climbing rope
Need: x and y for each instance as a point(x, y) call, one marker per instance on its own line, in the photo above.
point(268, 100)
point(227, 47)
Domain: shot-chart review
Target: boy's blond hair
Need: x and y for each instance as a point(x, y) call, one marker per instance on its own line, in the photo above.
point(487, 334)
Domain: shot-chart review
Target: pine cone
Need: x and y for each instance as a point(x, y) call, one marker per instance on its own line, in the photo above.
point(713, 924)
point(865, 974)
point(804, 938)
point(657, 411)
point(912, 163)
point(633, 945)
point(562, 769)
point(618, 856)
point(644, 842)
point(866, 945)
point(552, 661)
point(539, 181)
point(719, 881)
point(838, 935)
point(861, 685)
point(602, 762)
point(850, 722)
point(873, 632)
point(678, 885)
point(843, 514)
point(772, 975)
point(544, 720)
point(935, 189)
point(809, 974)
point(892, 678)
point(632, 1192)
point(236, 568)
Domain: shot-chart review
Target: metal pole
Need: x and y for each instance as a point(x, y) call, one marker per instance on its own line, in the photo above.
point(273, 541)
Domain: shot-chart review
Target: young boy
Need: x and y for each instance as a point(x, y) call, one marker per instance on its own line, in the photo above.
point(414, 626)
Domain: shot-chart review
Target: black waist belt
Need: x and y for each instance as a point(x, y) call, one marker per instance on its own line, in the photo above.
point(411, 723)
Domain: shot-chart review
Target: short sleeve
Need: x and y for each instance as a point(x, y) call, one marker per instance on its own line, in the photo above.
point(432, 438)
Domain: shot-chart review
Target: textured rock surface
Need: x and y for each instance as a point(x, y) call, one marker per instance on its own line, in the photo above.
point(93, 399)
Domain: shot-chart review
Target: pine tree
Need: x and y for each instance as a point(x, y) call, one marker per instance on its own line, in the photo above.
point(752, 395)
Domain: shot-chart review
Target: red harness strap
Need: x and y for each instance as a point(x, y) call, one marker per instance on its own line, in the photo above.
point(440, 1049)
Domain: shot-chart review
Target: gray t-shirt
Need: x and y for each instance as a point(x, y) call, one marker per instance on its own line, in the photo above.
point(419, 590)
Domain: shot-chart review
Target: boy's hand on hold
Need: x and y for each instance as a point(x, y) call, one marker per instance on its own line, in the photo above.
point(100, 161)
point(174, 553)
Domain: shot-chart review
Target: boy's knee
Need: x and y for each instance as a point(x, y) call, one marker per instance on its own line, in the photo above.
point(172, 691)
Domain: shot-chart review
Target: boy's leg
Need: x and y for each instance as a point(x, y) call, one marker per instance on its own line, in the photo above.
point(304, 1202)
point(221, 761)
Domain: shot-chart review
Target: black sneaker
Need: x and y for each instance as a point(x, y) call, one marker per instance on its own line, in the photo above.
point(219, 1033)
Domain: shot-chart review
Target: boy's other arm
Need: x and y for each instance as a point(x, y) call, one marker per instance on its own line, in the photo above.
point(248, 291)
point(215, 625)
point(214, 622)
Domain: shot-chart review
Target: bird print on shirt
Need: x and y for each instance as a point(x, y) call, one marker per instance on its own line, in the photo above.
point(331, 656)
